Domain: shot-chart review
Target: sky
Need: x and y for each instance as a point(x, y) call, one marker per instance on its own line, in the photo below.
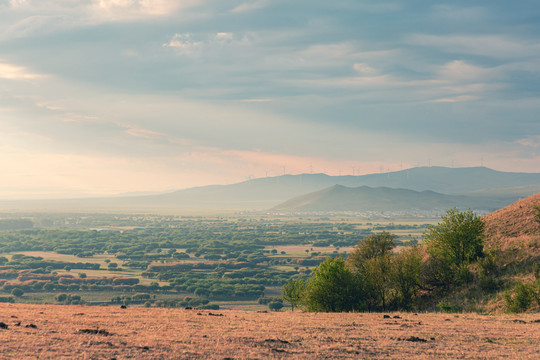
point(101, 97)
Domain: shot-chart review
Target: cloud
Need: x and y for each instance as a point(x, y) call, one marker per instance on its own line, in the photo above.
point(532, 141)
point(456, 99)
point(256, 100)
point(16, 72)
point(129, 9)
point(250, 6)
point(364, 69)
point(496, 46)
point(459, 70)
point(183, 44)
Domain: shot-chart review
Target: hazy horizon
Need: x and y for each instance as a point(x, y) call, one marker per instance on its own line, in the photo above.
point(104, 97)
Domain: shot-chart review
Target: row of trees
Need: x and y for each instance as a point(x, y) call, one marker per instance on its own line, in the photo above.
point(375, 278)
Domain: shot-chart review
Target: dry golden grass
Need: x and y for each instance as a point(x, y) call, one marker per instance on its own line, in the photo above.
point(141, 333)
point(515, 227)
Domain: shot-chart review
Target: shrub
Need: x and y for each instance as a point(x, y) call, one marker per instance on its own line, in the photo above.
point(61, 297)
point(275, 305)
point(18, 292)
point(448, 307)
point(521, 298)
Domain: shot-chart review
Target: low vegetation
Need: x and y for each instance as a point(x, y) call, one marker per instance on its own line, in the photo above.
point(95, 332)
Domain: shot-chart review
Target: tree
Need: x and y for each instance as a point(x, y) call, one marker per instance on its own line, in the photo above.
point(371, 247)
point(333, 288)
point(406, 275)
point(292, 292)
point(61, 297)
point(18, 292)
point(371, 260)
point(458, 239)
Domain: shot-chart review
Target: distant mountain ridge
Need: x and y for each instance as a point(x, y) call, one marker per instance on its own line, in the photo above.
point(268, 192)
point(340, 198)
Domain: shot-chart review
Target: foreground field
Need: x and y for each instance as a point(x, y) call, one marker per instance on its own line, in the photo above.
point(85, 332)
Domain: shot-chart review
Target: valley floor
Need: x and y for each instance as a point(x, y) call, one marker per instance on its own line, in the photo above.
point(86, 332)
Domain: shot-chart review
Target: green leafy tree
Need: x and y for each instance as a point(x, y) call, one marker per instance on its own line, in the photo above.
point(333, 288)
point(371, 260)
point(458, 239)
point(371, 247)
point(406, 275)
point(293, 291)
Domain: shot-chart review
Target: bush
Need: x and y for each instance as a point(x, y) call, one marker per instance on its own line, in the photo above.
point(464, 275)
point(447, 307)
point(18, 292)
point(521, 298)
point(61, 297)
point(275, 305)
point(490, 283)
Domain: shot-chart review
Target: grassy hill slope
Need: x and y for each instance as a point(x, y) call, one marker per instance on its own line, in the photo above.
point(515, 227)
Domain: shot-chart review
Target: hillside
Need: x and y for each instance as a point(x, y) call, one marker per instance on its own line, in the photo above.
point(265, 193)
point(83, 332)
point(512, 249)
point(383, 199)
point(515, 227)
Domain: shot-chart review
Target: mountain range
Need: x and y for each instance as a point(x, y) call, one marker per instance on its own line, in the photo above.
point(339, 198)
point(479, 186)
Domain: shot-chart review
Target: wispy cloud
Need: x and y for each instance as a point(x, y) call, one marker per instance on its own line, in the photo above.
point(183, 44)
point(496, 46)
point(16, 72)
point(250, 6)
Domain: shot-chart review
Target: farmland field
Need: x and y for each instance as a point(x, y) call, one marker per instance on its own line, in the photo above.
point(91, 332)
